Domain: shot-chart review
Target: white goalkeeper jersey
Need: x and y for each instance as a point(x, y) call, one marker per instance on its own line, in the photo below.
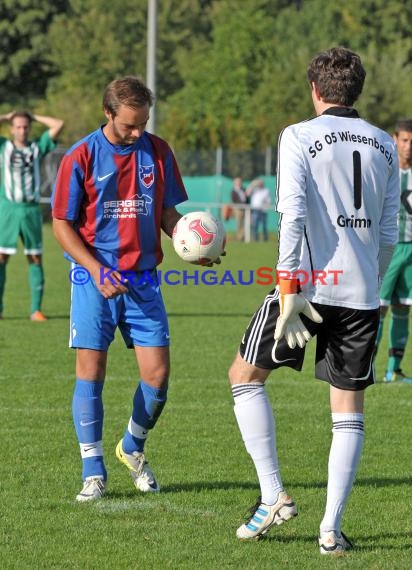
point(338, 196)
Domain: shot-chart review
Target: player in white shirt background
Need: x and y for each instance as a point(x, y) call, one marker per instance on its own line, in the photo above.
point(338, 199)
point(260, 201)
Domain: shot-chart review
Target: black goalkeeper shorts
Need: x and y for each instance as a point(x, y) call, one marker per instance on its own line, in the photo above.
point(345, 343)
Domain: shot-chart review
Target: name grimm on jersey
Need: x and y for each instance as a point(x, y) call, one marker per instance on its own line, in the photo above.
point(347, 136)
point(353, 222)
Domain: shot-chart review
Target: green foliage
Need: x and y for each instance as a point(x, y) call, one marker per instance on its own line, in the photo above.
point(214, 107)
point(24, 65)
point(181, 25)
point(108, 39)
point(229, 73)
point(94, 52)
point(250, 81)
point(387, 93)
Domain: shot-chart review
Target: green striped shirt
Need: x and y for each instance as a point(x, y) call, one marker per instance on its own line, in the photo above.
point(20, 168)
point(405, 212)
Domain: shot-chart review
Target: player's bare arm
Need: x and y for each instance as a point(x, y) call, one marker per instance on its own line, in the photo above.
point(6, 116)
point(170, 217)
point(71, 242)
point(52, 123)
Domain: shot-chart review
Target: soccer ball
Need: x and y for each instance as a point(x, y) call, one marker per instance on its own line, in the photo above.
point(199, 238)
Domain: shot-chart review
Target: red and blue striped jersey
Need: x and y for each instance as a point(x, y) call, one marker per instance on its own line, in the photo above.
point(115, 194)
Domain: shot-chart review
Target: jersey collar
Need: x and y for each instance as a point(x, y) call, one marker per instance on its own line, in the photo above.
point(348, 112)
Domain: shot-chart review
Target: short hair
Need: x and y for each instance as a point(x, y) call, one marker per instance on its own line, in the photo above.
point(339, 75)
point(403, 125)
point(21, 115)
point(129, 91)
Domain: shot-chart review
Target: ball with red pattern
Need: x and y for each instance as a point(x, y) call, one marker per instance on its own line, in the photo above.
point(199, 238)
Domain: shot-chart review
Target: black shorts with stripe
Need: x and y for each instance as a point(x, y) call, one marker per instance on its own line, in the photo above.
point(345, 343)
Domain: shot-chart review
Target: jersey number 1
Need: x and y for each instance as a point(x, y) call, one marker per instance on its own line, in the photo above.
point(357, 180)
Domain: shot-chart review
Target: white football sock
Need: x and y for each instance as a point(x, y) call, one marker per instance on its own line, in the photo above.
point(344, 456)
point(256, 423)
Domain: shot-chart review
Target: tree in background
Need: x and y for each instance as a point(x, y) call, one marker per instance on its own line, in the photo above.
point(230, 73)
point(249, 82)
point(102, 39)
point(106, 39)
point(25, 67)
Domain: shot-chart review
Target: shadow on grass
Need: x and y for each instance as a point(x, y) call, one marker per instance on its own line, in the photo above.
point(27, 319)
point(190, 488)
point(361, 482)
point(171, 314)
point(233, 485)
point(213, 315)
point(377, 541)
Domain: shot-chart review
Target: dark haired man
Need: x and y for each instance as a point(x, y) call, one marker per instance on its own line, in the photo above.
point(338, 197)
point(20, 213)
point(115, 190)
point(396, 288)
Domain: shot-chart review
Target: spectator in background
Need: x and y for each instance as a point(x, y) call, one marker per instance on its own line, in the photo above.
point(260, 202)
point(239, 197)
point(396, 289)
point(20, 213)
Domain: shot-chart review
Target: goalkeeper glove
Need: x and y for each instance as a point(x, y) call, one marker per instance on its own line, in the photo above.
point(289, 323)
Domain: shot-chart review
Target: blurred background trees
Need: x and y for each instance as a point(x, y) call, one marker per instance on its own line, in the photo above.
point(230, 73)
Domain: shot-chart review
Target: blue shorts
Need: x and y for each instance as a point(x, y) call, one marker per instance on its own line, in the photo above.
point(140, 314)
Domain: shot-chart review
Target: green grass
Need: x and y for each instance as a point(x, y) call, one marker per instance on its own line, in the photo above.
point(207, 479)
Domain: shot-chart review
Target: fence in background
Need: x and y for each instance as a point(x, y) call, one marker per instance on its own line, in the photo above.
point(220, 162)
point(207, 187)
point(247, 164)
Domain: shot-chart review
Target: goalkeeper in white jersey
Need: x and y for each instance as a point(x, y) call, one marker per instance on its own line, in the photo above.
point(338, 199)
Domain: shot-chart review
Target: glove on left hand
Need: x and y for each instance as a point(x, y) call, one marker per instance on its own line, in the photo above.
point(289, 323)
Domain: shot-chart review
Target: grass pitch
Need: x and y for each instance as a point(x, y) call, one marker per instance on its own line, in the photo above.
point(207, 480)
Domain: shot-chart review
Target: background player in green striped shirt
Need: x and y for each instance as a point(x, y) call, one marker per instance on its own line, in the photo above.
point(20, 213)
point(396, 289)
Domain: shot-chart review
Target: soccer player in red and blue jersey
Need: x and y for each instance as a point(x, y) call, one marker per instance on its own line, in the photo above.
point(115, 191)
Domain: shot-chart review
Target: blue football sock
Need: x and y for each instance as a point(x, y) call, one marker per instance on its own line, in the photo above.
point(148, 403)
point(88, 412)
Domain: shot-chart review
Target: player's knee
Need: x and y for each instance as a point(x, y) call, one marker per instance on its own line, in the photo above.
point(235, 370)
point(232, 374)
point(400, 309)
point(157, 376)
point(35, 259)
point(94, 373)
point(241, 372)
point(91, 364)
